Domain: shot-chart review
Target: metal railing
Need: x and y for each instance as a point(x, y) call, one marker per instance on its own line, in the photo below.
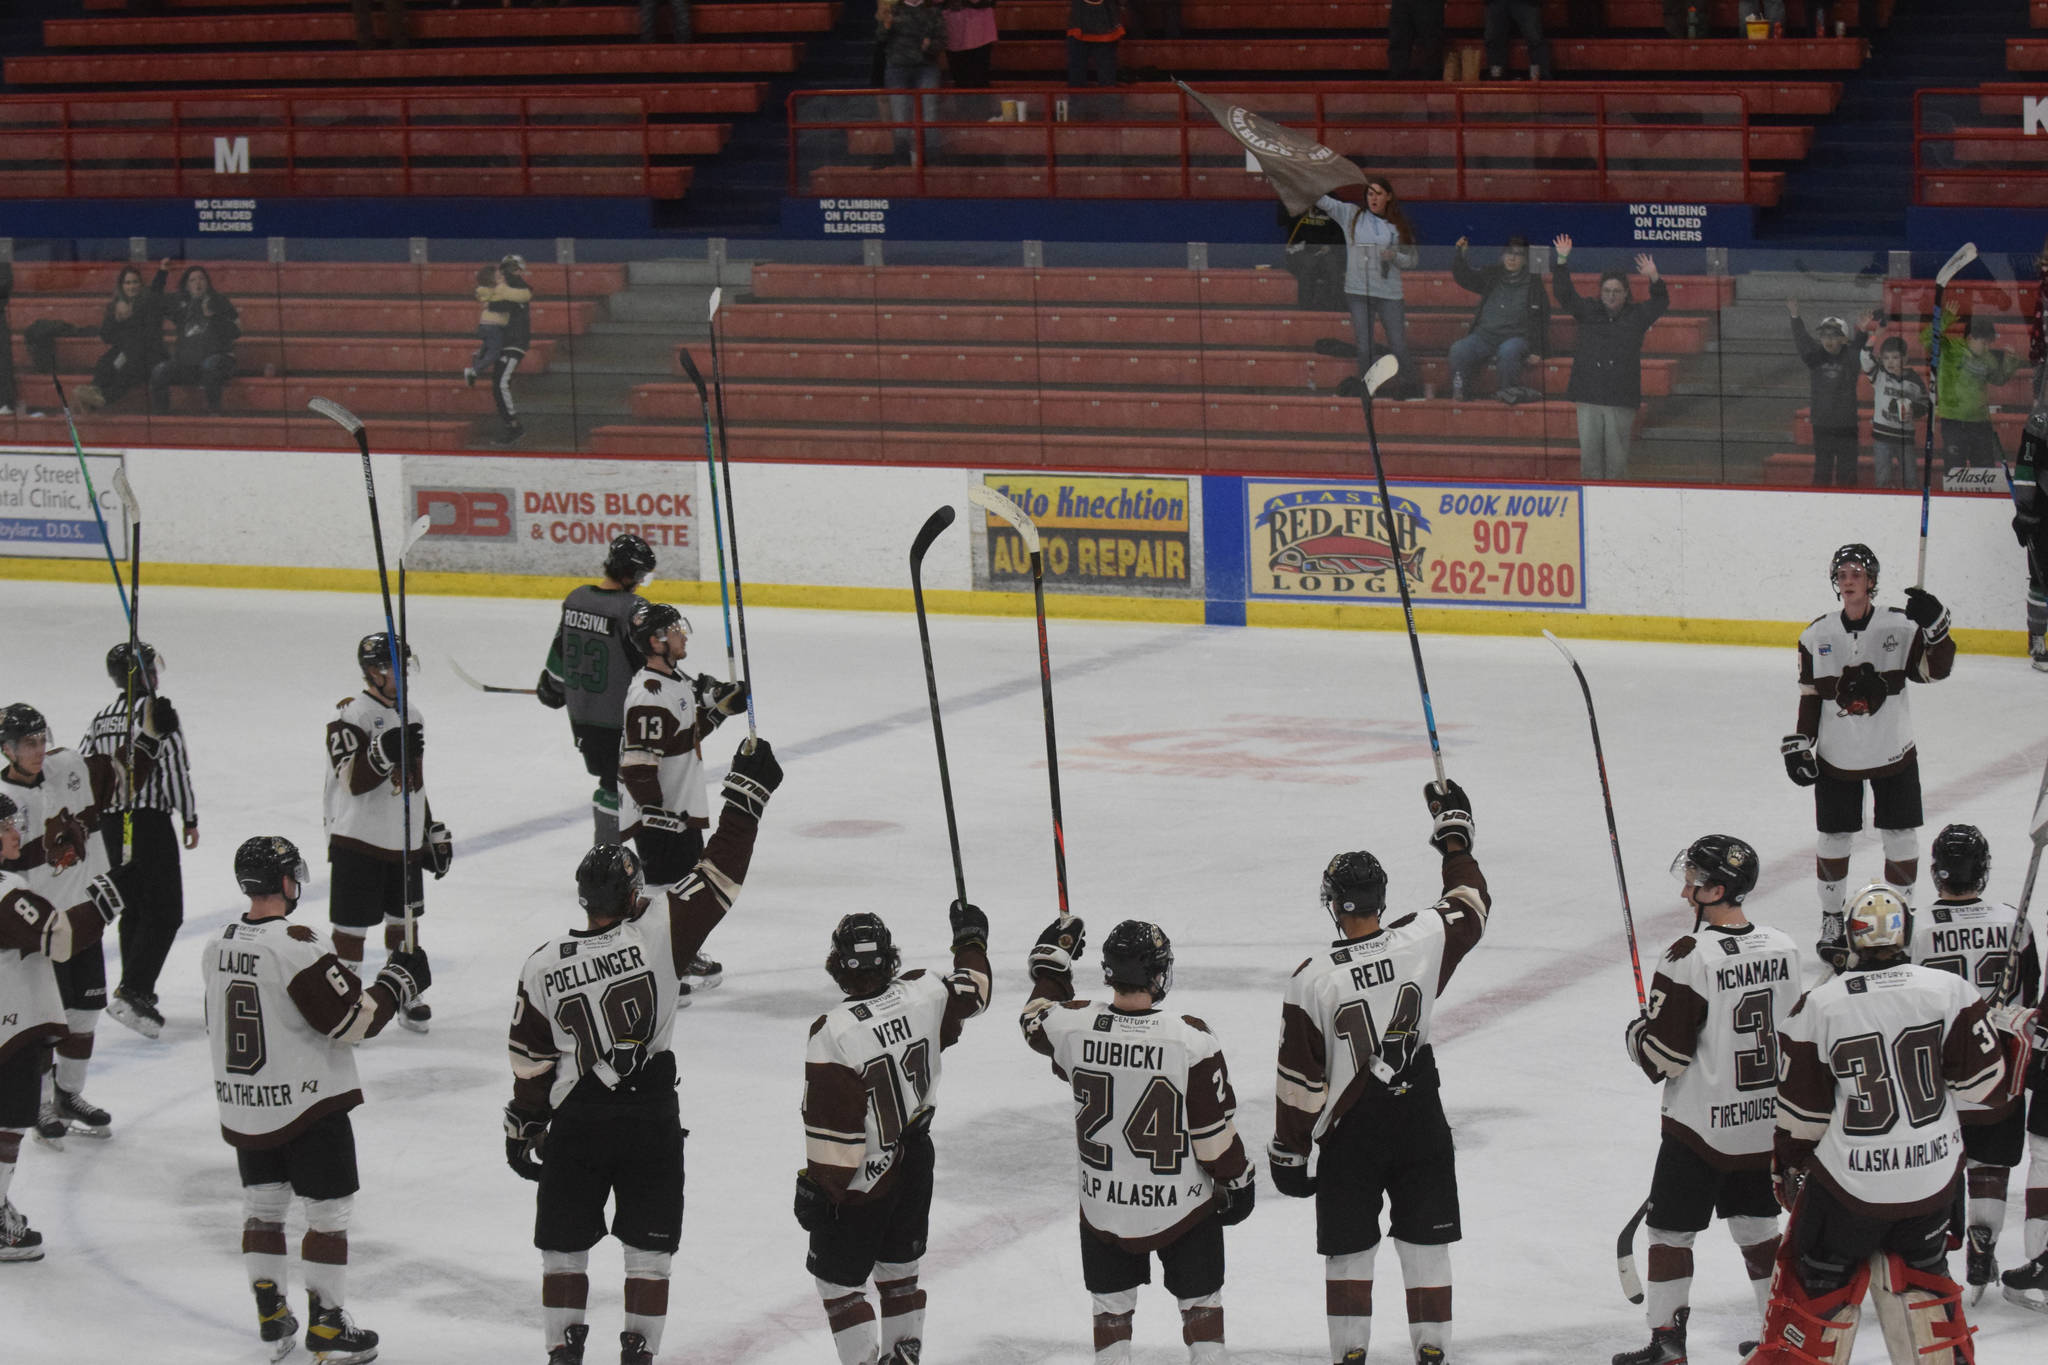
point(1981, 147)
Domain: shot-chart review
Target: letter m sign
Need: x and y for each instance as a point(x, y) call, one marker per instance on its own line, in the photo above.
point(2034, 114)
point(231, 156)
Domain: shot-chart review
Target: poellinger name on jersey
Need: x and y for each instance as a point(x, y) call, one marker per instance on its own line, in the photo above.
point(1969, 939)
point(594, 1001)
point(1712, 1038)
point(591, 657)
point(660, 762)
point(283, 1016)
point(1888, 644)
point(34, 934)
point(1150, 1092)
point(365, 812)
point(1870, 1058)
point(61, 809)
point(872, 1065)
point(1358, 1014)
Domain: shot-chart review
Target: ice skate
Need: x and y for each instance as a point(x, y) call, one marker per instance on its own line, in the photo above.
point(1980, 1262)
point(905, 1352)
point(703, 973)
point(18, 1241)
point(335, 1340)
point(2028, 1285)
point(1354, 1356)
point(274, 1320)
point(133, 1011)
point(633, 1349)
point(82, 1117)
point(570, 1352)
point(1667, 1344)
point(1430, 1355)
point(50, 1126)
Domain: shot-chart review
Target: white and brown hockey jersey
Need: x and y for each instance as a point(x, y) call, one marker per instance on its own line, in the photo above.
point(601, 1003)
point(1833, 655)
point(283, 1017)
point(1154, 1114)
point(62, 809)
point(1358, 1013)
point(1712, 1037)
point(872, 1065)
point(364, 810)
point(661, 758)
point(1870, 1057)
point(34, 934)
point(1968, 938)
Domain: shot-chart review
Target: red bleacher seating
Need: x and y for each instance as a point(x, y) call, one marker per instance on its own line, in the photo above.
point(1583, 55)
point(480, 25)
point(417, 64)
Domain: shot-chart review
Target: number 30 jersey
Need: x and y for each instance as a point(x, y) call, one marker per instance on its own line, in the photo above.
point(1153, 1113)
point(872, 1064)
point(1712, 1037)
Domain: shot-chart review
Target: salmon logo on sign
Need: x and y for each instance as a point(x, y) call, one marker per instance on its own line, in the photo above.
point(1332, 539)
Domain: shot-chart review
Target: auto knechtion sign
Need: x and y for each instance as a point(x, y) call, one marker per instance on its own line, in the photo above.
point(1098, 533)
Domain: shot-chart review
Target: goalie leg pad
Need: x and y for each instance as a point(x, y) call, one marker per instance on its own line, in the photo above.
point(1805, 1327)
point(1921, 1313)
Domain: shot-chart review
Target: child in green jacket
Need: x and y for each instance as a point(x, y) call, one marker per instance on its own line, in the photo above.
point(1970, 367)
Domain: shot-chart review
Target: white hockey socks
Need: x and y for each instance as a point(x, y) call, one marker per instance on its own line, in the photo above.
point(1987, 1195)
point(74, 1054)
point(647, 1295)
point(1426, 1274)
point(1347, 1300)
point(324, 1250)
point(10, 1152)
point(1668, 1287)
point(2037, 1194)
point(1757, 1239)
point(902, 1303)
point(1201, 1327)
point(263, 1248)
point(564, 1293)
point(1113, 1326)
point(852, 1319)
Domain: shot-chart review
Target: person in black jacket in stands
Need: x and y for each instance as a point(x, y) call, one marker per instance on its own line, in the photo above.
point(1607, 365)
point(132, 325)
point(1834, 373)
point(1511, 326)
point(515, 297)
point(204, 326)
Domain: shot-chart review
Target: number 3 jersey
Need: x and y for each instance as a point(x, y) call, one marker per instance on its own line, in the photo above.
point(1153, 1113)
point(1869, 1059)
point(364, 810)
point(1712, 1037)
point(872, 1064)
point(283, 1016)
point(1358, 1013)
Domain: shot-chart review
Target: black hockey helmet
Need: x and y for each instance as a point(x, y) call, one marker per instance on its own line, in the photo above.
point(1961, 859)
point(608, 882)
point(21, 721)
point(1354, 884)
point(629, 560)
point(863, 957)
point(1858, 554)
point(374, 651)
point(1719, 860)
point(651, 619)
point(262, 864)
point(8, 810)
point(121, 663)
point(1138, 957)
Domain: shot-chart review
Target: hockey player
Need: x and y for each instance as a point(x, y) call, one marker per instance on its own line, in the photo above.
point(590, 662)
point(2027, 1285)
point(1711, 1038)
point(283, 1018)
point(662, 807)
point(1967, 935)
point(1868, 1153)
point(593, 1115)
point(33, 934)
point(154, 880)
point(1855, 726)
point(871, 1078)
point(63, 796)
point(1358, 1077)
point(365, 816)
point(2029, 466)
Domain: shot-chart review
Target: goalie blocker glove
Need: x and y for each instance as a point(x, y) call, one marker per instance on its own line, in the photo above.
point(970, 926)
point(1290, 1172)
point(1057, 946)
point(753, 777)
point(1801, 764)
point(440, 849)
point(1452, 813)
point(524, 1134)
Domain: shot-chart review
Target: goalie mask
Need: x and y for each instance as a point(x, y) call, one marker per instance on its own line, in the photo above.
point(1354, 884)
point(263, 863)
point(1961, 860)
point(1878, 922)
point(1859, 555)
point(1138, 957)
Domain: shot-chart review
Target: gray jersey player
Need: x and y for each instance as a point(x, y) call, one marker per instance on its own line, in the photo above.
point(591, 662)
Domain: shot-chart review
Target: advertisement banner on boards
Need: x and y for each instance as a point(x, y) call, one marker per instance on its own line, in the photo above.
point(44, 508)
point(549, 517)
point(1460, 544)
point(1100, 533)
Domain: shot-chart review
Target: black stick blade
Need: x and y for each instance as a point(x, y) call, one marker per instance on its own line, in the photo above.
point(690, 369)
point(934, 526)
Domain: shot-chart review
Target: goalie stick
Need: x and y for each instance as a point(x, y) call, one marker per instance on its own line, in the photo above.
point(1965, 254)
point(933, 526)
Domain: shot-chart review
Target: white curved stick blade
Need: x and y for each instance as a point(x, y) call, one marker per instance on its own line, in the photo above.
point(414, 532)
point(1560, 646)
point(1965, 254)
point(336, 413)
point(717, 295)
point(981, 495)
point(1382, 370)
point(126, 493)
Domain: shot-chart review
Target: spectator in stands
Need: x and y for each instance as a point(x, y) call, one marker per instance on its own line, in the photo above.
point(1315, 255)
point(1607, 362)
point(1415, 39)
point(514, 297)
point(1094, 28)
point(678, 16)
point(1511, 326)
point(915, 42)
point(1379, 245)
point(394, 24)
point(1526, 18)
point(1833, 375)
point(1962, 398)
point(970, 41)
point(7, 393)
point(204, 325)
point(1898, 400)
point(490, 325)
point(132, 325)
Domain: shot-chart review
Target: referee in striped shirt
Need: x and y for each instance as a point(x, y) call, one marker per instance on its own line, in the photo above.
point(154, 882)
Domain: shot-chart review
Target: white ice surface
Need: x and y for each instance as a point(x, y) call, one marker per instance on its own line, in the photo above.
point(1208, 774)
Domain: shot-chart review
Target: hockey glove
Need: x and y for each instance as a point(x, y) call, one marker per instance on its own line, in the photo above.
point(1924, 610)
point(1057, 947)
point(1632, 1037)
point(440, 849)
point(384, 754)
point(1235, 1200)
point(1801, 764)
point(2023, 527)
point(754, 776)
point(814, 1207)
point(524, 1137)
point(105, 897)
point(1452, 810)
point(1290, 1172)
point(919, 1126)
point(667, 821)
point(1861, 692)
point(160, 718)
point(726, 699)
point(1786, 1185)
point(406, 974)
point(970, 926)
point(549, 690)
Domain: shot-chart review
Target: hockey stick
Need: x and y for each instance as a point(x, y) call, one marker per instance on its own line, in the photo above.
point(732, 527)
point(131, 511)
point(91, 495)
point(1625, 1256)
point(2009, 971)
point(981, 495)
point(353, 425)
point(1628, 921)
point(1965, 254)
point(463, 674)
point(412, 537)
point(717, 522)
point(1382, 370)
point(936, 523)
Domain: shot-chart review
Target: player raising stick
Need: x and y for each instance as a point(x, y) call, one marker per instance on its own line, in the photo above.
point(1711, 1038)
point(593, 1116)
point(1150, 1091)
point(871, 1077)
